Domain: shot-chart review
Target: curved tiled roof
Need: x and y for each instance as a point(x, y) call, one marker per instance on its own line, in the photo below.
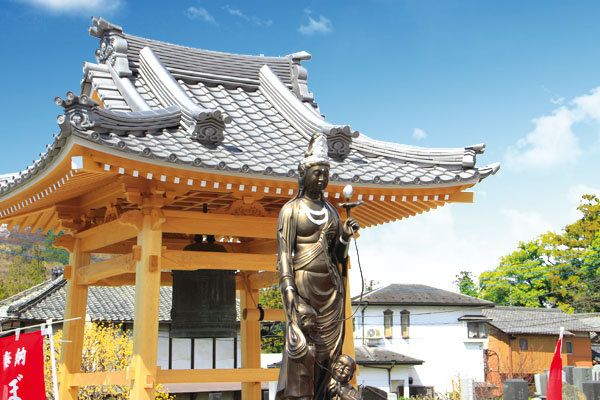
point(225, 112)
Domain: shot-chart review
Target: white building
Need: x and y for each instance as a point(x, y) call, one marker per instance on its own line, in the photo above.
point(413, 339)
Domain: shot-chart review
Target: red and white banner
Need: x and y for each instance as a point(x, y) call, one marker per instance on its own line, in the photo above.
point(554, 388)
point(22, 367)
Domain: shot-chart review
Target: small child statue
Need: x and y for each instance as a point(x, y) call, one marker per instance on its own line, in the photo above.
point(342, 371)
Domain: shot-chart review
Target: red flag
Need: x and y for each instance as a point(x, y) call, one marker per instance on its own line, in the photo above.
point(22, 367)
point(554, 388)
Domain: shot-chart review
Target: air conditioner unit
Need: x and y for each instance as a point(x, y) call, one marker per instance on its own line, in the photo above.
point(374, 333)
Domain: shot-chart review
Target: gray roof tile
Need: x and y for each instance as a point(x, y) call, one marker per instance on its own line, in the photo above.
point(367, 355)
point(419, 295)
point(47, 300)
point(540, 321)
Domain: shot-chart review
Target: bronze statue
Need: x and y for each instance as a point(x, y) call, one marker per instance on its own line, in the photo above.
point(342, 371)
point(312, 243)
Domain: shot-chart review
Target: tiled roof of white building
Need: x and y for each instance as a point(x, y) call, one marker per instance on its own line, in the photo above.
point(541, 321)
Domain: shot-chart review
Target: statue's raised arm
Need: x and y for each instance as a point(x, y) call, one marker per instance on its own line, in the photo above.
point(312, 242)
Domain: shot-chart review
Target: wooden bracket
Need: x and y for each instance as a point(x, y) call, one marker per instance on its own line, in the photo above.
point(158, 217)
point(137, 253)
point(68, 272)
point(132, 218)
point(149, 382)
point(66, 242)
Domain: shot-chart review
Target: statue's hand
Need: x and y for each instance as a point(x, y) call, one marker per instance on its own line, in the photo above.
point(350, 226)
point(288, 293)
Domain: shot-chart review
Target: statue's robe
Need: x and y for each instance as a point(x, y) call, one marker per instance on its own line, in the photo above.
point(325, 292)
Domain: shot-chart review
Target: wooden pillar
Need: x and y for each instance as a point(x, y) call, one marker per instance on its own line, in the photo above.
point(147, 297)
point(348, 345)
point(250, 331)
point(76, 303)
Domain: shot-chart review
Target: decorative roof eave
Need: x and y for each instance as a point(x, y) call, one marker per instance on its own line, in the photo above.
point(341, 138)
point(58, 158)
point(83, 115)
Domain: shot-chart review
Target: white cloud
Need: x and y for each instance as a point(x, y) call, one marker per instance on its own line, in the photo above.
point(554, 98)
point(323, 25)
point(553, 141)
point(248, 18)
point(574, 197)
point(419, 134)
point(84, 7)
point(525, 225)
point(429, 249)
point(202, 14)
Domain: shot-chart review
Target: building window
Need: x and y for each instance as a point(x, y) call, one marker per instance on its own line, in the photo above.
point(477, 330)
point(353, 324)
point(569, 346)
point(388, 323)
point(523, 344)
point(405, 323)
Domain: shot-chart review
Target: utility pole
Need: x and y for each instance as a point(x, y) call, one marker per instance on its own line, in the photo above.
point(511, 280)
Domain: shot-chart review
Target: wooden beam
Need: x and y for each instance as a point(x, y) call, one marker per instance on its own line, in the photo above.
point(105, 235)
point(411, 206)
point(46, 222)
point(166, 279)
point(72, 348)
point(147, 298)
point(112, 378)
point(102, 196)
point(461, 197)
point(219, 224)
point(398, 212)
point(348, 344)
point(253, 314)
point(250, 331)
point(193, 260)
point(261, 246)
point(264, 279)
point(217, 375)
point(123, 264)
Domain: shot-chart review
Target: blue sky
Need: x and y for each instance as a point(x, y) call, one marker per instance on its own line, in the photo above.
point(520, 76)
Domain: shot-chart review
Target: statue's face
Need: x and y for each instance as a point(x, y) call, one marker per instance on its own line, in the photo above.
point(343, 369)
point(317, 178)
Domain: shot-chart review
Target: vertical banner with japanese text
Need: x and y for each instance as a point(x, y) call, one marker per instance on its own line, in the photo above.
point(22, 367)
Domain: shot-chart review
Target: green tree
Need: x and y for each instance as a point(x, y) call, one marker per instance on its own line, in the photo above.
point(556, 269)
point(106, 347)
point(466, 284)
point(370, 284)
point(271, 331)
point(26, 269)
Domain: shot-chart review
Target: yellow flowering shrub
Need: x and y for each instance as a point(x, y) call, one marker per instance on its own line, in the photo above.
point(106, 347)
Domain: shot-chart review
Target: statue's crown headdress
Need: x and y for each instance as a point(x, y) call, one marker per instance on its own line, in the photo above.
point(316, 152)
